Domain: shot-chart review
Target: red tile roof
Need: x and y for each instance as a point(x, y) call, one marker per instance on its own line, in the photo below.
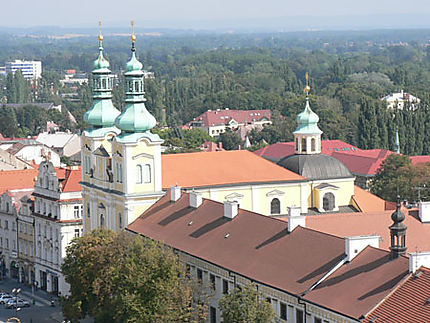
point(358, 223)
point(420, 159)
point(221, 168)
point(409, 302)
point(260, 248)
point(257, 246)
point(17, 179)
point(368, 202)
point(69, 178)
point(357, 287)
point(223, 117)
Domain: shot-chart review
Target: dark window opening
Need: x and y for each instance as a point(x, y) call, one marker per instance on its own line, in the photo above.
point(328, 201)
point(283, 309)
point(299, 316)
point(275, 206)
point(224, 286)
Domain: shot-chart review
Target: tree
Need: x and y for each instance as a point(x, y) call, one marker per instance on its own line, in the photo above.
point(124, 278)
point(245, 304)
point(230, 139)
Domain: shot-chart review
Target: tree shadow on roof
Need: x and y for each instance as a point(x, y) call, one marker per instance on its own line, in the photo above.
point(209, 227)
point(176, 215)
point(277, 236)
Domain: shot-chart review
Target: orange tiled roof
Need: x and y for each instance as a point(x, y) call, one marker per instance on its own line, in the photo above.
point(17, 179)
point(221, 168)
point(366, 201)
point(356, 224)
point(70, 178)
point(409, 302)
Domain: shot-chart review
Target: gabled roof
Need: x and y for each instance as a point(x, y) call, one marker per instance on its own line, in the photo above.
point(203, 169)
point(69, 178)
point(56, 140)
point(256, 246)
point(409, 302)
point(358, 286)
point(224, 117)
point(368, 202)
point(419, 159)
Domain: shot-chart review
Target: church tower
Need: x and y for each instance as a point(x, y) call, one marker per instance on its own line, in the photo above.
point(307, 135)
point(136, 152)
point(96, 140)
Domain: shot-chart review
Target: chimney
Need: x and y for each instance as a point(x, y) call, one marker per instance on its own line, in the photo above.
point(424, 211)
point(418, 259)
point(231, 208)
point(195, 199)
point(295, 219)
point(175, 193)
point(354, 245)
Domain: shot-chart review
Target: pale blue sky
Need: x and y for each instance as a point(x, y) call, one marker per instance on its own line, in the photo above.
point(192, 13)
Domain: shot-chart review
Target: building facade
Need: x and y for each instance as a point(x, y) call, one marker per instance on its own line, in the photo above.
point(31, 70)
point(57, 220)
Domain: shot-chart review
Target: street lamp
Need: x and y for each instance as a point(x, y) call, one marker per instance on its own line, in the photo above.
point(15, 292)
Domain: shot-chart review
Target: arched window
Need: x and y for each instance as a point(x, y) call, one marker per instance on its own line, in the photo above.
point(328, 201)
point(102, 220)
point(313, 144)
point(139, 174)
point(275, 206)
point(303, 144)
point(147, 173)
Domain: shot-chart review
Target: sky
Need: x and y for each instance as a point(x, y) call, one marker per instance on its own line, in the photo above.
point(210, 13)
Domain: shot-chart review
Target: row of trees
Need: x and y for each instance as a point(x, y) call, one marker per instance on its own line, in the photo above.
point(124, 278)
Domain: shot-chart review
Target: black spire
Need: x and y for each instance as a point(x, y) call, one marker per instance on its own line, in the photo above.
point(398, 232)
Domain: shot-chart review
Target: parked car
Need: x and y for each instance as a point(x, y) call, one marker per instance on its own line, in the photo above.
point(5, 298)
point(17, 303)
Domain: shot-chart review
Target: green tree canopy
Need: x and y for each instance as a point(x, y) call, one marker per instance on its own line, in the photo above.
point(124, 278)
point(245, 304)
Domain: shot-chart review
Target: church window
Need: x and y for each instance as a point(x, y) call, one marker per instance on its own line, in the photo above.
point(130, 86)
point(136, 86)
point(313, 144)
point(303, 144)
point(102, 220)
point(119, 172)
point(88, 210)
point(328, 201)
point(120, 220)
point(139, 174)
point(147, 173)
point(275, 206)
point(297, 143)
point(103, 84)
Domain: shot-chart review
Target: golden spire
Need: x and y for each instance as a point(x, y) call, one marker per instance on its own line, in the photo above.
point(307, 87)
point(133, 36)
point(100, 31)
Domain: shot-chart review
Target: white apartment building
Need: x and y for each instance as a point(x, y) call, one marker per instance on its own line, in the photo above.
point(31, 70)
point(58, 219)
point(399, 99)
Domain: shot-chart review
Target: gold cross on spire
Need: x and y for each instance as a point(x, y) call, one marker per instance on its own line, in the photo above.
point(133, 36)
point(100, 31)
point(307, 87)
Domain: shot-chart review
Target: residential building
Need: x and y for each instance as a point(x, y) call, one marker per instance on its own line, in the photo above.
point(215, 122)
point(63, 143)
point(10, 162)
point(399, 99)
point(15, 188)
point(307, 275)
point(26, 241)
point(30, 69)
point(57, 220)
point(30, 151)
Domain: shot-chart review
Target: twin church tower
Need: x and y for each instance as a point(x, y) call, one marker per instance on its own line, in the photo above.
point(121, 158)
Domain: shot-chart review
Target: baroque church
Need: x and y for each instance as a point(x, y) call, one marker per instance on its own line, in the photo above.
point(124, 173)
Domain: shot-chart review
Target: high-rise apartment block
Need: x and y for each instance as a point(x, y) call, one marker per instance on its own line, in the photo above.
point(30, 69)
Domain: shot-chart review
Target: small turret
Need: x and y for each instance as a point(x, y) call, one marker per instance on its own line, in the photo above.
point(398, 232)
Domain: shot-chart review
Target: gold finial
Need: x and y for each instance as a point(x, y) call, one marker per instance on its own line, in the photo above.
point(307, 87)
point(133, 36)
point(100, 31)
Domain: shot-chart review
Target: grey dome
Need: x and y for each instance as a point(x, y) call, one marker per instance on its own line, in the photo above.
point(315, 166)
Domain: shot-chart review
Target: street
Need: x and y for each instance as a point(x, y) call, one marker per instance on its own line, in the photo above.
point(40, 312)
